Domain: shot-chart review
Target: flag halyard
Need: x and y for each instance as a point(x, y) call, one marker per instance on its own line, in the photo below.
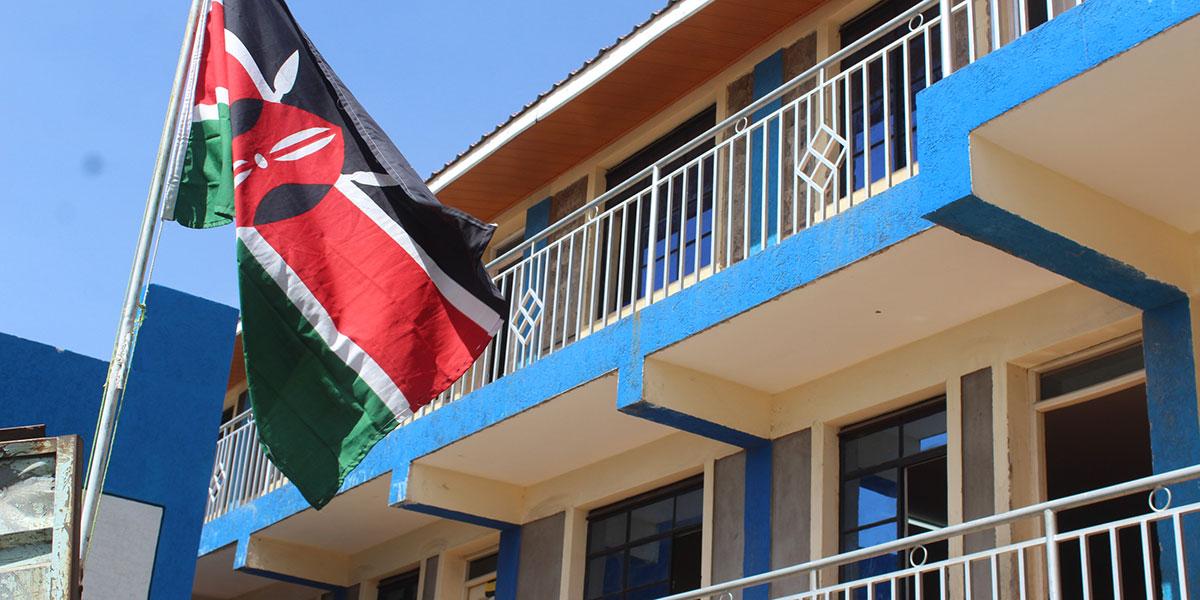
point(362, 296)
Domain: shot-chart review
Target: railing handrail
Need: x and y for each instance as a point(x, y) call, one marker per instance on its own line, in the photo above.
point(1085, 498)
point(234, 423)
point(723, 125)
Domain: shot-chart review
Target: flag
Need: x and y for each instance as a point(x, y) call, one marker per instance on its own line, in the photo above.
point(362, 296)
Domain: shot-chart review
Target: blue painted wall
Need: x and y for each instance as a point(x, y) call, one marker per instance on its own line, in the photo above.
point(165, 439)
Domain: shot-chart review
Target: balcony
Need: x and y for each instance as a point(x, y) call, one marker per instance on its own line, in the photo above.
point(834, 137)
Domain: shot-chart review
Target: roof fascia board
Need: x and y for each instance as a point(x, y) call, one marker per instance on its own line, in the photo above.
point(574, 86)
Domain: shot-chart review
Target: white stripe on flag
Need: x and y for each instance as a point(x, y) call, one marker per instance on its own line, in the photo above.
point(466, 302)
point(345, 348)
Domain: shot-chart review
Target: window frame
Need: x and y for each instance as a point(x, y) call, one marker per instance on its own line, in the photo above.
point(627, 506)
point(897, 418)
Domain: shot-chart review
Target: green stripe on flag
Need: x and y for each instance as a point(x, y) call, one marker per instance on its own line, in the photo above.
point(205, 196)
point(316, 417)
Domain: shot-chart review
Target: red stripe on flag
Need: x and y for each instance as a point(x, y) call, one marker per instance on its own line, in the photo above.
point(378, 296)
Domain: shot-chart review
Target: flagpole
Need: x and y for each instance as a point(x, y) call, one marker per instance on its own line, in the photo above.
point(118, 367)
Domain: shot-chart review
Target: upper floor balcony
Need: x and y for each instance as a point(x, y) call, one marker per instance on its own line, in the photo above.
point(837, 135)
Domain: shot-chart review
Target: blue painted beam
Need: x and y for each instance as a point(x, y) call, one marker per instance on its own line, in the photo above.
point(508, 563)
point(977, 219)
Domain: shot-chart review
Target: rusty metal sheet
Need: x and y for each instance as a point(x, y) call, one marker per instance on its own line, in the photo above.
point(39, 518)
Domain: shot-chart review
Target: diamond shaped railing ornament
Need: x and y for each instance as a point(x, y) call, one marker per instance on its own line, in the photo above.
point(825, 152)
point(529, 314)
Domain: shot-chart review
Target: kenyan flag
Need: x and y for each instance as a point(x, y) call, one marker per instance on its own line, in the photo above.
point(362, 296)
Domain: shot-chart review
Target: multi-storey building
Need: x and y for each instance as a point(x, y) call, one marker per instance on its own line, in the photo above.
point(789, 281)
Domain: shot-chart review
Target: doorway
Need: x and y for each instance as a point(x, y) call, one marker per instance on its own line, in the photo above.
point(1101, 438)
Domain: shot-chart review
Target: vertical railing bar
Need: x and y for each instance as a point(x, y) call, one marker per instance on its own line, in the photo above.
point(1180, 547)
point(995, 27)
point(700, 172)
point(621, 260)
point(808, 127)
point(888, 130)
point(714, 219)
point(764, 175)
point(546, 313)
point(594, 290)
point(796, 161)
point(557, 280)
point(850, 140)
point(1021, 582)
point(1052, 558)
point(1085, 567)
point(972, 52)
point(942, 582)
point(995, 577)
point(1049, 9)
point(608, 272)
point(567, 294)
point(927, 51)
point(909, 142)
point(732, 152)
point(511, 358)
point(583, 263)
point(967, 587)
point(868, 177)
point(946, 41)
point(1147, 567)
point(637, 253)
point(655, 174)
point(779, 180)
point(683, 210)
point(1114, 557)
point(667, 236)
point(1022, 18)
point(835, 124)
point(746, 195)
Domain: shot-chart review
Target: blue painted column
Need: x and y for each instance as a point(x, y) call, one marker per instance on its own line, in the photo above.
point(768, 76)
point(508, 563)
point(1174, 426)
point(756, 555)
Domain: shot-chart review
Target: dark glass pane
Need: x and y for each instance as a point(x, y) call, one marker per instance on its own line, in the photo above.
point(871, 449)
point(649, 563)
point(607, 533)
point(689, 508)
point(651, 519)
point(925, 496)
point(482, 566)
point(1098, 370)
point(685, 562)
point(869, 499)
point(925, 433)
point(401, 587)
point(604, 574)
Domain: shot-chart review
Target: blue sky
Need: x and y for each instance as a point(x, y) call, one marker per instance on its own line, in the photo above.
point(84, 94)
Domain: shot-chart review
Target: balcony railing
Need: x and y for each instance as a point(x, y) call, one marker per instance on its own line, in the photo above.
point(1089, 562)
point(832, 137)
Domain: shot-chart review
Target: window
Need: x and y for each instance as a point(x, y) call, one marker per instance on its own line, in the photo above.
point(400, 587)
point(238, 408)
point(481, 577)
point(894, 485)
point(684, 219)
point(646, 547)
point(874, 121)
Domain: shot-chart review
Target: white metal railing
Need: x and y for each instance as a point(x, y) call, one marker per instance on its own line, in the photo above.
point(241, 470)
point(830, 138)
point(1035, 567)
point(826, 140)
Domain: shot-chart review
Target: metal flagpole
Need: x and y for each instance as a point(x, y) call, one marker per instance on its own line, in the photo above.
point(118, 367)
